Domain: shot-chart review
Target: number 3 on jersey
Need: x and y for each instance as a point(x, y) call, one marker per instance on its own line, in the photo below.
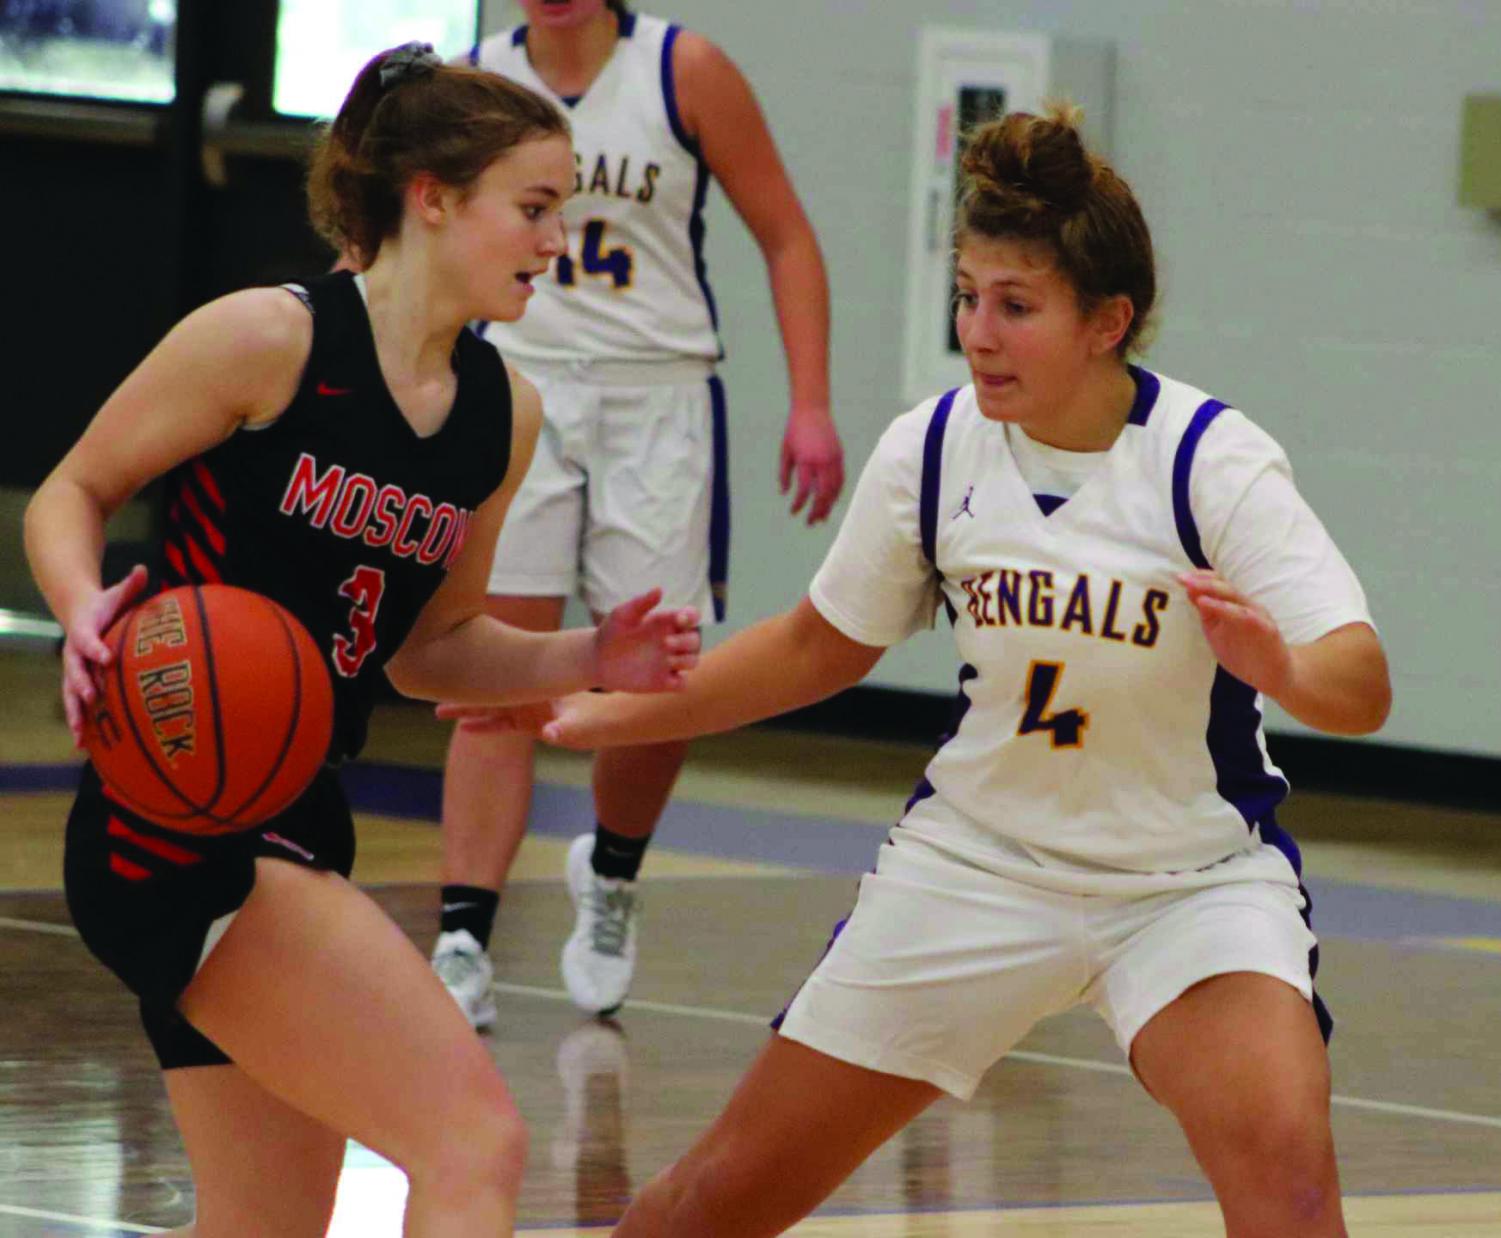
point(619, 263)
point(1067, 728)
point(364, 589)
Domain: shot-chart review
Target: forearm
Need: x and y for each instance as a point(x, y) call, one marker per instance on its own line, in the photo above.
point(1339, 683)
point(800, 292)
point(777, 665)
point(64, 535)
point(485, 662)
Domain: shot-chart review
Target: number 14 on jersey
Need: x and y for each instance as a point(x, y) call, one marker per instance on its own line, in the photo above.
point(617, 265)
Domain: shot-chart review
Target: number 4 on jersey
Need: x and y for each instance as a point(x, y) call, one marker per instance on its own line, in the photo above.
point(1066, 728)
point(618, 263)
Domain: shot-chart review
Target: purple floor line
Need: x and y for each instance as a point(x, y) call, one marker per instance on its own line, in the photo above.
point(826, 845)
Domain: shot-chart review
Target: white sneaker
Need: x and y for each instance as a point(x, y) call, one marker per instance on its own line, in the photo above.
point(467, 973)
point(600, 955)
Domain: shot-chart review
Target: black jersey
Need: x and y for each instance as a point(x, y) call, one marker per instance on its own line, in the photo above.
point(338, 509)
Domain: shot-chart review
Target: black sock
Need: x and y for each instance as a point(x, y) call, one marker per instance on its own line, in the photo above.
point(615, 855)
point(471, 908)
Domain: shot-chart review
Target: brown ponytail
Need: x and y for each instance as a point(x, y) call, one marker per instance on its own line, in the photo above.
point(1031, 178)
point(452, 121)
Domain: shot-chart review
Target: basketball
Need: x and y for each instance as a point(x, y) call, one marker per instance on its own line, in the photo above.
point(214, 713)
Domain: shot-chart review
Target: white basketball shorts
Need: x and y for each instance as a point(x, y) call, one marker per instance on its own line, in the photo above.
point(628, 488)
point(943, 967)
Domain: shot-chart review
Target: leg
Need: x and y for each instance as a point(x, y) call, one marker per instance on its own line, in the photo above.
point(487, 793)
point(631, 786)
point(1240, 1062)
point(322, 1000)
point(239, 1138)
point(797, 1126)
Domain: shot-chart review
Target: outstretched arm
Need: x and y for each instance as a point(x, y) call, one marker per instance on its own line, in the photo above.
point(456, 652)
point(777, 665)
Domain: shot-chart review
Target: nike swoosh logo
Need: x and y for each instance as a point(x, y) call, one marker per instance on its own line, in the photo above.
point(458, 906)
point(325, 389)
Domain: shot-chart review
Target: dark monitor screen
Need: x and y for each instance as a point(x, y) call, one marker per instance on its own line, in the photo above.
point(119, 50)
point(322, 44)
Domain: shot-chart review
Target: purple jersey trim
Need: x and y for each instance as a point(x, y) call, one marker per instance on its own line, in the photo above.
point(776, 1023)
point(670, 93)
point(719, 501)
point(1188, 529)
point(1148, 385)
point(518, 37)
point(1241, 775)
point(932, 476)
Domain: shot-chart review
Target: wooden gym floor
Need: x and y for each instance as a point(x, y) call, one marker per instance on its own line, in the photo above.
point(755, 861)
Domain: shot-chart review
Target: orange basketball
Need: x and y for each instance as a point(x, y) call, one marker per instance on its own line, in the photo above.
point(215, 711)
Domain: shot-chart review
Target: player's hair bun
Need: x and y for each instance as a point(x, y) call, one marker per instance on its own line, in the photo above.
point(1029, 167)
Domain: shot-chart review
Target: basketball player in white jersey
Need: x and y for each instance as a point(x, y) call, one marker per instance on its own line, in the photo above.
point(629, 482)
point(1129, 570)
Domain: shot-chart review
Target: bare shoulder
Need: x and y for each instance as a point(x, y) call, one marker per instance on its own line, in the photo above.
point(701, 67)
point(266, 321)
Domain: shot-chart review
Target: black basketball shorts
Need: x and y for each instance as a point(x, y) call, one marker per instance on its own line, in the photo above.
point(145, 898)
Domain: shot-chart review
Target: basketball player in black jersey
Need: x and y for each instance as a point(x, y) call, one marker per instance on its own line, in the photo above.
point(348, 449)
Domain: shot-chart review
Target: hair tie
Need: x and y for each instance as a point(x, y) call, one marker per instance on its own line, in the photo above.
point(407, 61)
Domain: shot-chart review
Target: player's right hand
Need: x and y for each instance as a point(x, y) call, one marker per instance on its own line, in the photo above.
point(84, 652)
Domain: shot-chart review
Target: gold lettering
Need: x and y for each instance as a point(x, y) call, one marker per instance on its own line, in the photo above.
point(1148, 630)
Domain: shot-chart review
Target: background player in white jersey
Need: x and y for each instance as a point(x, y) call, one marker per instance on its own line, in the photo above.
point(629, 483)
point(1128, 568)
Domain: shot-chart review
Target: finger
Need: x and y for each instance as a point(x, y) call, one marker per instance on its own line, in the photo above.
point(126, 590)
point(683, 662)
point(829, 482)
point(784, 472)
point(637, 608)
point(686, 642)
point(77, 678)
point(73, 712)
point(1216, 589)
point(688, 617)
point(804, 488)
point(449, 711)
point(1201, 578)
point(1227, 611)
point(490, 726)
point(117, 599)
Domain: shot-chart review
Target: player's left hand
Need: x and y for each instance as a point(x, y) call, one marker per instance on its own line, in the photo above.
point(811, 451)
point(638, 649)
point(1243, 635)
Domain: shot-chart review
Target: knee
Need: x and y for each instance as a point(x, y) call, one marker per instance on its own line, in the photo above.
point(1286, 1159)
point(481, 1152)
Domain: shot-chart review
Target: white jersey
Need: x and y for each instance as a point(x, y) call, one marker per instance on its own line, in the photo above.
point(632, 286)
point(1098, 740)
